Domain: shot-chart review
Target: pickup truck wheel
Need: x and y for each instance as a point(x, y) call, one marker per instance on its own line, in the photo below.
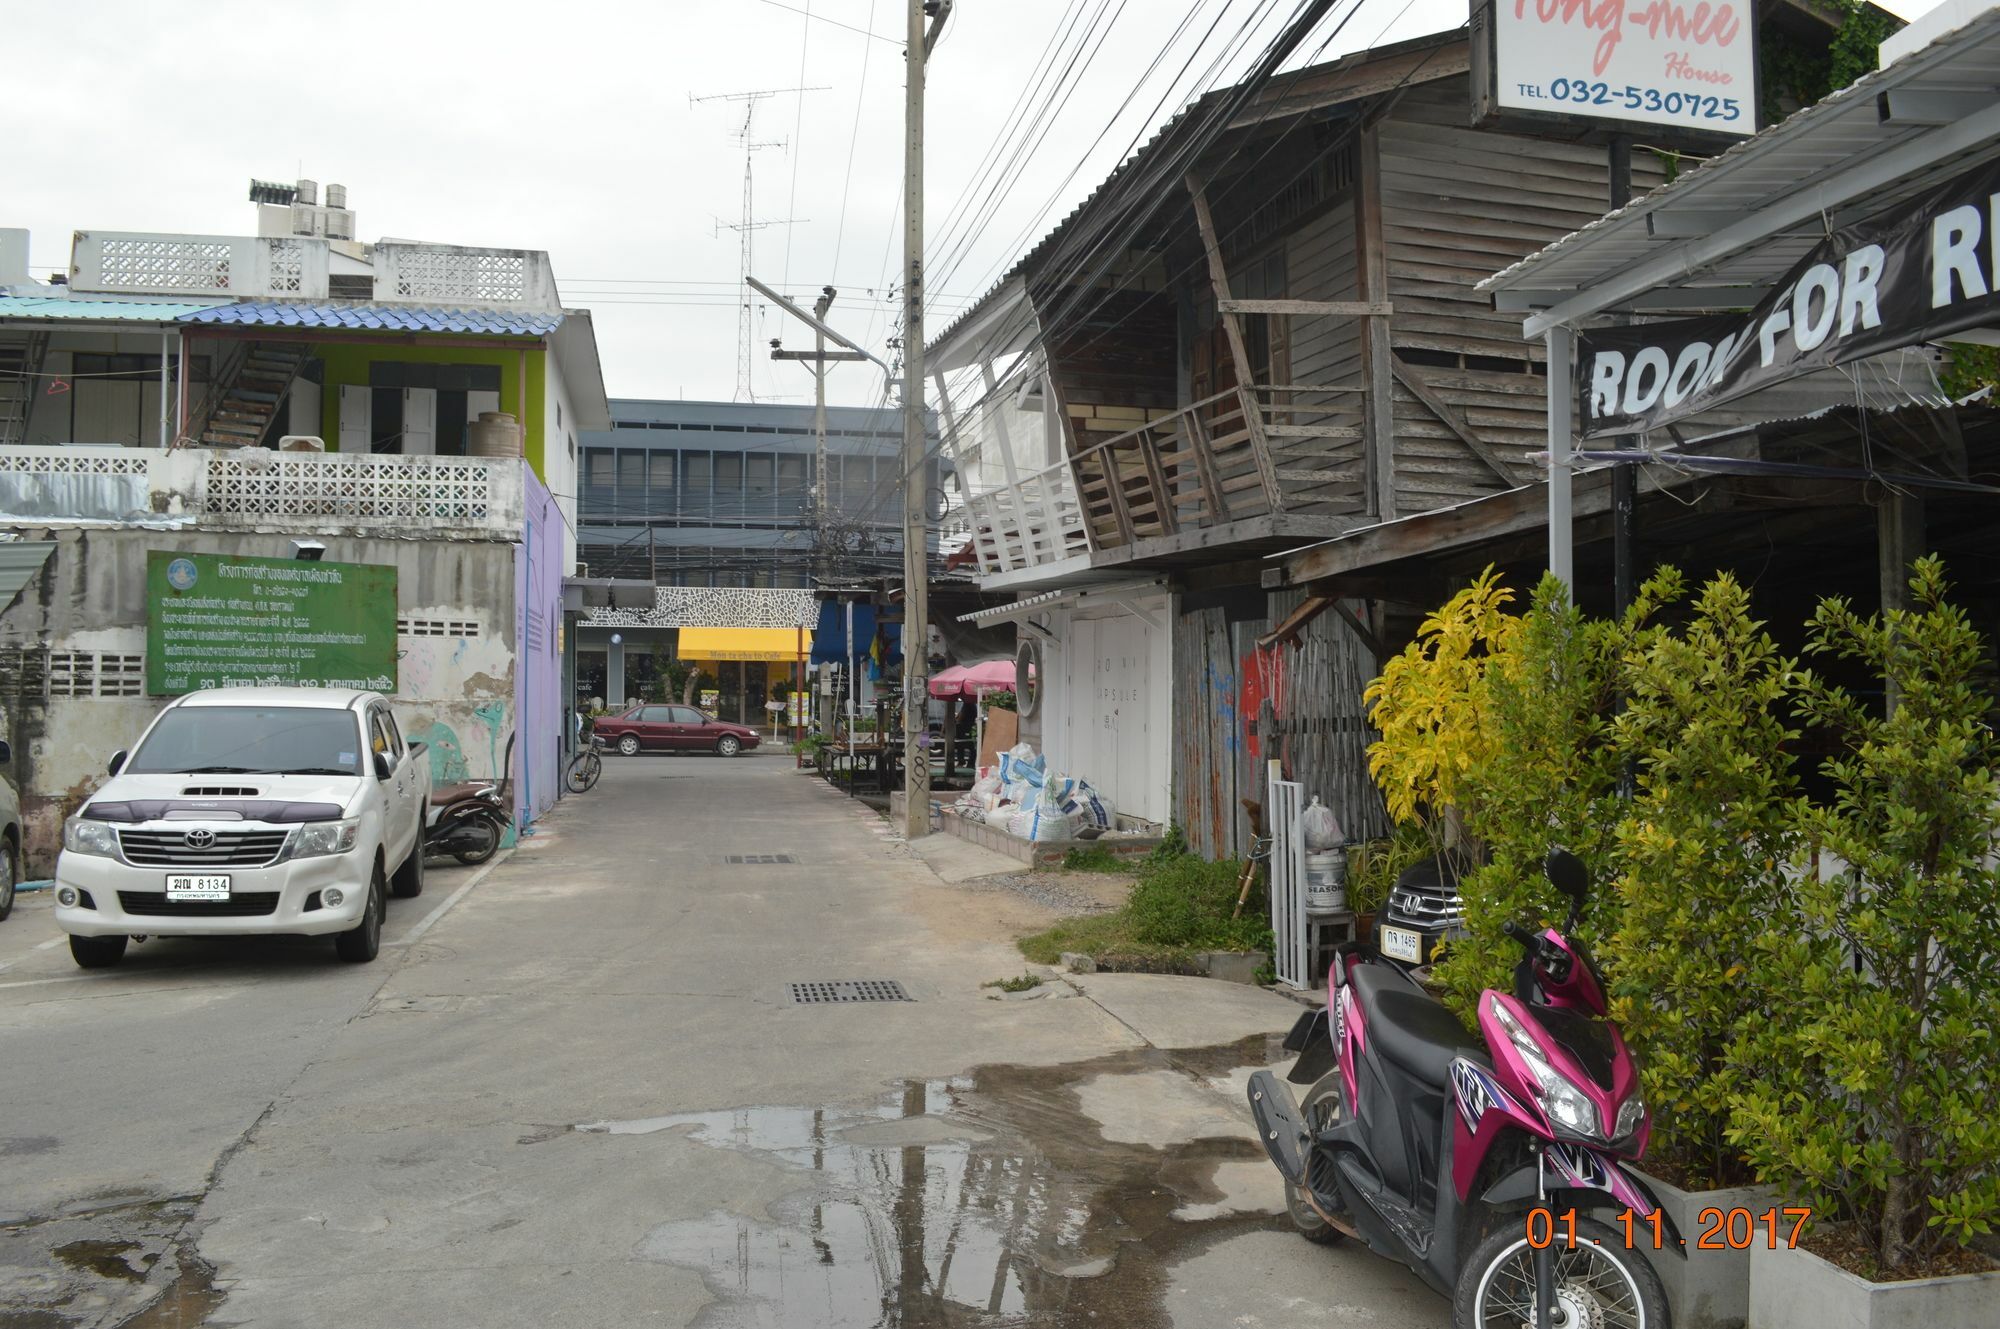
point(408, 883)
point(628, 746)
point(362, 942)
point(9, 874)
point(728, 745)
point(97, 952)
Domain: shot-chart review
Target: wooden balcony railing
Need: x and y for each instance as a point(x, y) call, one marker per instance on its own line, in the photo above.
point(1285, 448)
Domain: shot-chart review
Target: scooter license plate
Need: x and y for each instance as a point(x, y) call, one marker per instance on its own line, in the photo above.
point(1402, 944)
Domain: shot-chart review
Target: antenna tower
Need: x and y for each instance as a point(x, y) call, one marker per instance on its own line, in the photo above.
point(746, 226)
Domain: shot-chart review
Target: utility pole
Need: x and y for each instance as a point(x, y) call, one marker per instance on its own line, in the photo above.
point(916, 533)
point(822, 510)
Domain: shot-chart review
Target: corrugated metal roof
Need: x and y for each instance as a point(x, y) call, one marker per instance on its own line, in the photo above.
point(394, 318)
point(1125, 169)
point(62, 309)
point(20, 560)
point(1787, 160)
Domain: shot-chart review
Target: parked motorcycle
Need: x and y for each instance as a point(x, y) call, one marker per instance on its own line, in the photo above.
point(1498, 1175)
point(467, 821)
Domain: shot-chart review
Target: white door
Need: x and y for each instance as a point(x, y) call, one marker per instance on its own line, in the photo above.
point(420, 422)
point(357, 404)
point(477, 400)
point(303, 408)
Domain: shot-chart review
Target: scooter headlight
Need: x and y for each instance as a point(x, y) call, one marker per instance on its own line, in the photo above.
point(1630, 1114)
point(1562, 1102)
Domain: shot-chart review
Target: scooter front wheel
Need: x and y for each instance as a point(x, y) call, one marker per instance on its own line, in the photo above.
point(1320, 1108)
point(1599, 1282)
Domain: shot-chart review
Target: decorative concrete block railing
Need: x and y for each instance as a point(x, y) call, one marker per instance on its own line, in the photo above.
point(256, 489)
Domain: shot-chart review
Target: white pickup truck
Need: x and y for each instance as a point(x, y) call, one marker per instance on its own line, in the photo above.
point(249, 812)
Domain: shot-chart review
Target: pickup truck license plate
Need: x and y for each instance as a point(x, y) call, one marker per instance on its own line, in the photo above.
point(209, 886)
point(1402, 944)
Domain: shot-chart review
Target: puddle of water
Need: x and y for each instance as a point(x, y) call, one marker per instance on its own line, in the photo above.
point(986, 1200)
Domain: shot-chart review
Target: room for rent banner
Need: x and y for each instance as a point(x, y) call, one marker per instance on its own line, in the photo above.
point(1920, 272)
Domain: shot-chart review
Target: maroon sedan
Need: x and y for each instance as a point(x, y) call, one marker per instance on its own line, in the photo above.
point(663, 728)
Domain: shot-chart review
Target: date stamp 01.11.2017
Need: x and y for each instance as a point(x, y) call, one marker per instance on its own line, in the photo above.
point(1735, 1229)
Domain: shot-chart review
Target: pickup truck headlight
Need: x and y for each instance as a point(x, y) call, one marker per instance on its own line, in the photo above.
point(90, 837)
point(318, 838)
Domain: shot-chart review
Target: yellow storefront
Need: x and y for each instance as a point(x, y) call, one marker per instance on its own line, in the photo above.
point(743, 668)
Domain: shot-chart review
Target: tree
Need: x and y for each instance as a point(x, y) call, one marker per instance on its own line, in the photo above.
point(1548, 774)
point(1870, 1077)
point(1705, 848)
point(1429, 707)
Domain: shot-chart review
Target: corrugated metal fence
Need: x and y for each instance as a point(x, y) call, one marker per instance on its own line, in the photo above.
point(1314, 689)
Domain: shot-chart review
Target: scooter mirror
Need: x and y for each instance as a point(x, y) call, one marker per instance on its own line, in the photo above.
point(1566, 873)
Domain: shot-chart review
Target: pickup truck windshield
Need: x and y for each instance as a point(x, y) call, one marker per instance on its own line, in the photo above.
point(251, 740)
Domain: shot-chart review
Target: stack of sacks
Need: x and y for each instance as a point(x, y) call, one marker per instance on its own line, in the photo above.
point(1045, 819)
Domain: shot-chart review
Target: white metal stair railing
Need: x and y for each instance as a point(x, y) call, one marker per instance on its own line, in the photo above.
point(20, 375)
point(1289, 930)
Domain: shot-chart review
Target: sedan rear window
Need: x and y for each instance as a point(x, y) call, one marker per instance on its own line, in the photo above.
point(251, 740)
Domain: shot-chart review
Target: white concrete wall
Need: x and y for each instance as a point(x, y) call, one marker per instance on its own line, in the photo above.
point(1106, 713)
point(560, 451)
point(455, 691)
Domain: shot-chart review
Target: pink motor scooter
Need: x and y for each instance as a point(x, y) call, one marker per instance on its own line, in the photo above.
point(1497, 1174)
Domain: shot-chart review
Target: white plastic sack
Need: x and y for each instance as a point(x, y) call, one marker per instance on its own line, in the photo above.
point(1319, 827)
point(1087, 805)
point(1045, 819)
point(985, 792)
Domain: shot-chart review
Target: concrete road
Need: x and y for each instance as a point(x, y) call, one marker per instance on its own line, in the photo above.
point(583, 1088)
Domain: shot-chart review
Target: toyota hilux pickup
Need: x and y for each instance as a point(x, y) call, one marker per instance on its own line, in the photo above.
point(249, 812)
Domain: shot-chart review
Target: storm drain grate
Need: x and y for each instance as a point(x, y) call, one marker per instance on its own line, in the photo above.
point(859, 989)
point(760, 858)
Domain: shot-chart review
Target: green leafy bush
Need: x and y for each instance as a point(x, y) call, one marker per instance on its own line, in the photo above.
point(1871, 1075)
point(1706, 847)
point(1374, 865)
point(1549, 776)
point(1178, 905)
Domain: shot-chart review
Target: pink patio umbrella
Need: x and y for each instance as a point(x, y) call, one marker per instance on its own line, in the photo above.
point(974, 681)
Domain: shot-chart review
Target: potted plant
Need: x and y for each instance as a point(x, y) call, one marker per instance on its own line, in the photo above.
point(1867, 1083)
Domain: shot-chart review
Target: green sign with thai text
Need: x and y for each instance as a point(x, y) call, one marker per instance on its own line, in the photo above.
point(217, 620)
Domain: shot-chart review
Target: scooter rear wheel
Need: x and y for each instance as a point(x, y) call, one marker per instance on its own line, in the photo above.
point(1599, 1282)
point(1320, 1107)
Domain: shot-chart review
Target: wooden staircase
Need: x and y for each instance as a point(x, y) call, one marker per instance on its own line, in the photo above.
point(246, 403)
point(20, 379)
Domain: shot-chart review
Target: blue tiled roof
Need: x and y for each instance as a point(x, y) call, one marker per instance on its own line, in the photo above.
point(395, 318)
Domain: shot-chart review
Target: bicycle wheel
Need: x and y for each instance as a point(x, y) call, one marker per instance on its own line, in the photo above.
point(583, 772)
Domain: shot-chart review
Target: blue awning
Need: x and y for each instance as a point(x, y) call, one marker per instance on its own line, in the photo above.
point(829, 644)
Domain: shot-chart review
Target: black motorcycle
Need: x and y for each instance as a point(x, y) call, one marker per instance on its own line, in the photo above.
point(467, 821)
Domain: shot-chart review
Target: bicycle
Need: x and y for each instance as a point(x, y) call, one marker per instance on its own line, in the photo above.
point(584, 769)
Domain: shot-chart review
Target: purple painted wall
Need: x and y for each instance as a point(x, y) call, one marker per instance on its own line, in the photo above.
point(538, 577)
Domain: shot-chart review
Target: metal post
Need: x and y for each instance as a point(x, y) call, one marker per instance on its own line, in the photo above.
point(166, 394)
point(916, 564)
point(1561, 344)
point(1624, 479)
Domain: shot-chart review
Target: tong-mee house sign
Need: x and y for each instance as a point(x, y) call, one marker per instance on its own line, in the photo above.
point(1916, 273)
point(1688, 64)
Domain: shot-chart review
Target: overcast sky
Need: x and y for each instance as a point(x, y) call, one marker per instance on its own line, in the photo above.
point(569, 127)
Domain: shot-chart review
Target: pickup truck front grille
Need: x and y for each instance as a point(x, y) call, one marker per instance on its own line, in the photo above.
point(211, 849)
point(155, 904)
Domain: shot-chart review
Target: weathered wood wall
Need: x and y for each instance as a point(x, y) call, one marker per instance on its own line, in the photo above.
point(1458, 205)
point(1321, 731)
